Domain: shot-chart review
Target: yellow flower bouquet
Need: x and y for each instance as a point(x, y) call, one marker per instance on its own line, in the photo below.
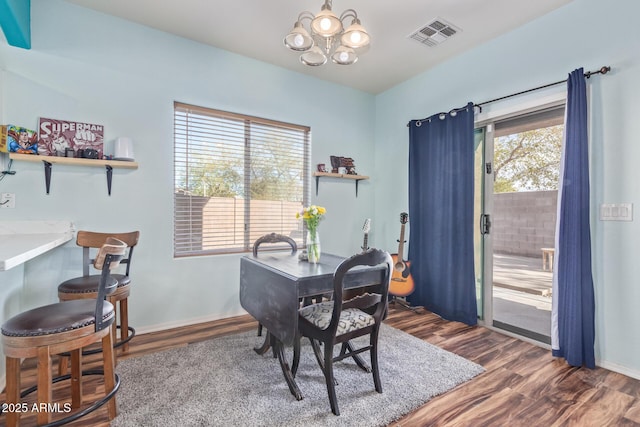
point(312, 216)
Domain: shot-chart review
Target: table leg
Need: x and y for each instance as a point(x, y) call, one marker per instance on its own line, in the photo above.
point(265, 345)
point(288, 376)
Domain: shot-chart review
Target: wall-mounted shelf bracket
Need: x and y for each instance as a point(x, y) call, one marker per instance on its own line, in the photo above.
point(109, 164)
point(356, 178)
point(47, 175)
point(109, 177)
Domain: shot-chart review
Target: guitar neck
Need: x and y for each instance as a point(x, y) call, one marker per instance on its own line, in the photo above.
point(365, 243)
point(401, 244)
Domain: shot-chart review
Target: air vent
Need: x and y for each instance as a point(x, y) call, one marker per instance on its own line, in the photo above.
point(434, 32)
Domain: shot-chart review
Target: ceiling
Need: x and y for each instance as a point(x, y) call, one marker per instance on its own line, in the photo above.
point(256, 28)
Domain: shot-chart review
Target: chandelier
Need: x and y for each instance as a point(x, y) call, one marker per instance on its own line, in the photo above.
point(327, 37)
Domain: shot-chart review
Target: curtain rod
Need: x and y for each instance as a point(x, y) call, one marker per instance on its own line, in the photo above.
point(588, 74)
point(604, 70)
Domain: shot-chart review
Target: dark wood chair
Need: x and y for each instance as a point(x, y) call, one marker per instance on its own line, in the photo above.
point(338, 321)
point(66, 326)
point(86, 286)
point(273, 238)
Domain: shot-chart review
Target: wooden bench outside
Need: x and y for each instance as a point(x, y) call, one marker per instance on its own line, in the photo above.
point(547, 258)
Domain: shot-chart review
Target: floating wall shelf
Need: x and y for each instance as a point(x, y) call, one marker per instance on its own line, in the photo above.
point(356, 178)
point(48, 161)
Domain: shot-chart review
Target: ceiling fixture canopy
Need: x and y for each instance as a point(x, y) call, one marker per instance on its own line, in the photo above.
point(327, 36)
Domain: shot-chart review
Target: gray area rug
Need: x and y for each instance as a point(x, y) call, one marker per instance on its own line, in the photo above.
point(223, 382)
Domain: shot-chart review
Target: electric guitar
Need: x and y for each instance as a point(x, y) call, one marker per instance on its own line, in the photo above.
point(401, 280)
point(366, 228)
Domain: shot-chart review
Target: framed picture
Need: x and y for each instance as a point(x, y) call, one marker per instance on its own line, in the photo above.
point(56, 137)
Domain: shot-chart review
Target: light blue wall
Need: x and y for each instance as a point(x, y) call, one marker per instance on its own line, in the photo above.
point(544, 51)
point(89, 67)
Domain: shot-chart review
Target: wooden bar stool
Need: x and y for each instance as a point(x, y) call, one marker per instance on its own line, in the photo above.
point(86, 286)
point(65, 327)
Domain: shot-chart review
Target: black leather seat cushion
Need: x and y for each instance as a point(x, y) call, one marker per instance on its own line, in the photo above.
point(89, 284)
point(56, 318)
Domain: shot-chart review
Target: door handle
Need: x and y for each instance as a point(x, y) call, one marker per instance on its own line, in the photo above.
point(485, 224)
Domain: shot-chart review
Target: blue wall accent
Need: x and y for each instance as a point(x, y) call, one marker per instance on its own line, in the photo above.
point(15, 21)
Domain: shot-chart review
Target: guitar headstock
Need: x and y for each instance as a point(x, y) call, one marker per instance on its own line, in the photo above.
point(404, 218)
point(367, 225)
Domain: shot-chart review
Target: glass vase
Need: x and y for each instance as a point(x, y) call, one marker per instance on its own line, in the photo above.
point(313, 246)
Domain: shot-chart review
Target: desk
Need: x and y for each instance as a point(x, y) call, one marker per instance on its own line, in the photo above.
point(271, 285)
point(24, 240)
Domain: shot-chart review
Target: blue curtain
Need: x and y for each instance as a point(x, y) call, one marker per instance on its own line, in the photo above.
point(573, 324)
point(441, 165)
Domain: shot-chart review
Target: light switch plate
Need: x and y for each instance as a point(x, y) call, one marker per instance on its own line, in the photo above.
point(616, 212)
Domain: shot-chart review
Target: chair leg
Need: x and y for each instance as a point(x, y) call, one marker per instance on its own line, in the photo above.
point(348, 348)
point(328, 376)
point(13, 389)
point(116, 312)
point(109, 372)
point(316, 351)
point(124, 323)
point(374, 361)
point(63, 365)
point(44, 384)
point(76, 378)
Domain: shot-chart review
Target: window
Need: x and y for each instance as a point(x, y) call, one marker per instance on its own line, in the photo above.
point(236, 178)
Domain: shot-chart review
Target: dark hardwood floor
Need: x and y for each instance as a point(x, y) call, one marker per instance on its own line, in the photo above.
point(522, 386)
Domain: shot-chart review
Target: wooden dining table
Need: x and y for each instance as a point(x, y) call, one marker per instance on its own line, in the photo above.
point(272, 284)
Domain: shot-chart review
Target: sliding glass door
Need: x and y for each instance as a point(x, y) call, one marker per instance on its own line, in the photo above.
point(516, 220)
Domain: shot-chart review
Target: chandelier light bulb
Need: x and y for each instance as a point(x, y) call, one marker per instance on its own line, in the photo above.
point(298, 38)
point(355, 36)
point(344, 55)
point(325, 24)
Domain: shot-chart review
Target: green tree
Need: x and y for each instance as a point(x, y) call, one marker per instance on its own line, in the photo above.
point(528, 161)
point(272, 174)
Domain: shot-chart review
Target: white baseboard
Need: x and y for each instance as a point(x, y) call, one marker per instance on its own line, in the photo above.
point(178, 324)
point(619, 369)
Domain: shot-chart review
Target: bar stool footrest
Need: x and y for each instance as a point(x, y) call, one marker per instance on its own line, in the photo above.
point(85, 411)
point(132, 333)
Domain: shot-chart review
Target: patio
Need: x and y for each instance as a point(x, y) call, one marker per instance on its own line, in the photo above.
point(522, 293)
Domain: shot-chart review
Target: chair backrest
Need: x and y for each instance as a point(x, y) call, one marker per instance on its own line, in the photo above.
point(374, 304)
point(109, 256)
point(274, 238)
point(93, 240)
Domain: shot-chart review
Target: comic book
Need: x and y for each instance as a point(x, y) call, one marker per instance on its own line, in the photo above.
point(56, 136)
point(18, 139)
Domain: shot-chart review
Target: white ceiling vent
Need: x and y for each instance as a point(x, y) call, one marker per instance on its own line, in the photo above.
point(434, 32)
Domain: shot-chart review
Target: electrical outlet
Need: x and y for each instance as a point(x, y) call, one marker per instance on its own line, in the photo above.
point(8, 200)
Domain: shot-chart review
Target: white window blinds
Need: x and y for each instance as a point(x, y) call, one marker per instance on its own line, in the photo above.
point(236, 178)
